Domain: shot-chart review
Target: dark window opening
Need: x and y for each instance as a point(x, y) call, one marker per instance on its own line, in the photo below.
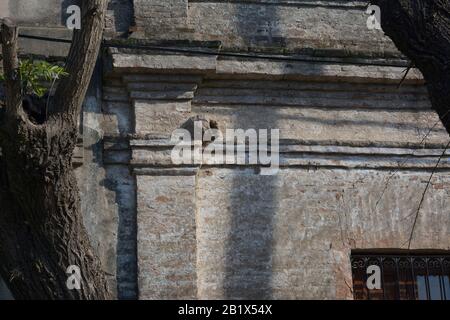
point(404, 276)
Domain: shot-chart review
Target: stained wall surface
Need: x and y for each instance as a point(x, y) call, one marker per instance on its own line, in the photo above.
point(356, 151)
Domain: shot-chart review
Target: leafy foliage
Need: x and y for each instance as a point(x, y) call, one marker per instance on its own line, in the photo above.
point(34, 73)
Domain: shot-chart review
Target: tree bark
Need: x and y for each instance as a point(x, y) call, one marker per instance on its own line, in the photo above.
point(421, 30)
point(41, 227)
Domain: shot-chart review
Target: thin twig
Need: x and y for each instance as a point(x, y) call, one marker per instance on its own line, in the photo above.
point(423, 195)
point(405, 75)
point(48, 98)
point(393, 173)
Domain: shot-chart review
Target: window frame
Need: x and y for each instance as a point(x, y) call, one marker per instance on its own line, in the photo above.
point(406, 287)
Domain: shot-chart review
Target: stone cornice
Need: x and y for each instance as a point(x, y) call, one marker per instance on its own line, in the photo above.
point(355, 70)
point(298, 3)
point(164, 90)
point(155, 154)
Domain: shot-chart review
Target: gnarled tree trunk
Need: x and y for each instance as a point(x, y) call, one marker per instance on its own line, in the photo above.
point(41, 227)
point(421, 30)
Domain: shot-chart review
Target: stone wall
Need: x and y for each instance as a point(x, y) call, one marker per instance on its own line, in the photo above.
point(221, 231)
point(290, 236)
point(47, 18)
point(356, 150)
point(275, 25)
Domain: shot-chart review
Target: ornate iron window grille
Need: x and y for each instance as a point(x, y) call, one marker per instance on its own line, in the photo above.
point(403, 277)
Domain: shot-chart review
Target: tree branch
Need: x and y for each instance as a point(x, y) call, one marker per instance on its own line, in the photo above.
point(421, 30)
point(13, 87)
point(41, 223)
point(411, 235)
point(81, 61)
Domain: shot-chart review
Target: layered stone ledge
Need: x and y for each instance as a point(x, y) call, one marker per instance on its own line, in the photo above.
point(307, 68)
point(156, 154)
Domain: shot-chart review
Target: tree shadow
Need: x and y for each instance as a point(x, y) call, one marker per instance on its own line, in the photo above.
point(4, 291)
point(253, 200)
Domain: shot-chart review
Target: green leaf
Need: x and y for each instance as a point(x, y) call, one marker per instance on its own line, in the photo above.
point(34, 73)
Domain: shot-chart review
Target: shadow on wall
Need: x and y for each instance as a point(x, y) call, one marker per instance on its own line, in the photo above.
point(259, 28)
point(250, 269)
point(123, 15)
point(249, 247)
point(109, 200)
point(4, 291)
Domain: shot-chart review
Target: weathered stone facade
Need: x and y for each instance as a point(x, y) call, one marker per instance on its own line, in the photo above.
point(354, 160)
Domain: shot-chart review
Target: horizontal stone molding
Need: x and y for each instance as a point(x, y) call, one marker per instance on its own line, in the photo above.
point(187, 171)
point(156, 154)
point(144, 79)
point(344, 71)
point(286, 144)
point(299, 3)
point(316, 99)
point(163, 63)
point(334, 71)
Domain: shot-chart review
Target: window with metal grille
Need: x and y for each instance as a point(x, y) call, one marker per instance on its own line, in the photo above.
point(404, 276)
